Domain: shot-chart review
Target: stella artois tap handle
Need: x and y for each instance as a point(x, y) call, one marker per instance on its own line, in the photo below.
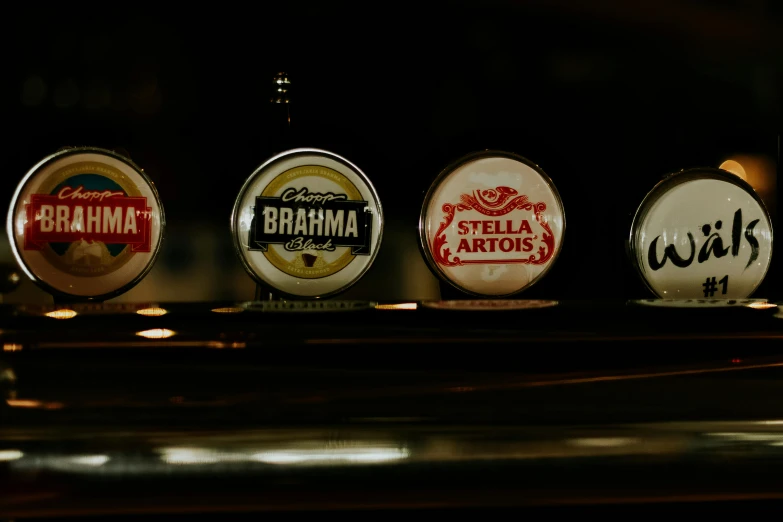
point(492, 225)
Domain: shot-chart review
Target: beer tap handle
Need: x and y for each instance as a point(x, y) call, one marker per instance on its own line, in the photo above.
point(280, 118)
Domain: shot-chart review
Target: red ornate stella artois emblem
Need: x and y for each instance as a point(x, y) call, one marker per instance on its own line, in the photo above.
point(494, 226)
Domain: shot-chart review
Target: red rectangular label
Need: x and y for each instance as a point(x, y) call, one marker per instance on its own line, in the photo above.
point(73, 215)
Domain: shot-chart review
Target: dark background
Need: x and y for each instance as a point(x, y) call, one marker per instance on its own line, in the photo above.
point(606, 97)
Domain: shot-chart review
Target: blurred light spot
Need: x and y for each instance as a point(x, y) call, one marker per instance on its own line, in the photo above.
point(758, 305)
point(735, 168)
point(8, 375)
point(220, 345)
point(156, 333)
point(31, 403)
point(190, 456)
point(228, 310)
point(771, 422)
point(8, 455)
point(603, 442)
point(751, 437)
point(66, 94)
point(759, 171)
point(152, 312)
point(283, 85)
point(14, 277)
point(398, 306)
point(63, 313)
point(347, 455)
point(12, 347)
point(33, 91)
point(736, 361)
point(90, 460)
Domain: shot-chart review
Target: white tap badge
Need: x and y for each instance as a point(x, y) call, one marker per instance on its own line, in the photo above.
point(492, 224)
point(85, 223)
point(307, 223)
point(702, 233)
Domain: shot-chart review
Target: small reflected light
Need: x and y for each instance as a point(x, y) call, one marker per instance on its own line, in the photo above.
point(90, 460)
point(758, 305)
point(12, 347)
point(9, 455)
point(348, 455)
point(758, 170)
point(220, 345)
point(358, 455)
point(152, 312)
point(31, 403)
point(14, 277)
point(735, 168)
point(398, 306)
point(190, 456)
point(157, 333)
point(228, 310)
point(771, 422)
point(752, 437)
point(63, 313)
point(603, 442)
point(736, 361)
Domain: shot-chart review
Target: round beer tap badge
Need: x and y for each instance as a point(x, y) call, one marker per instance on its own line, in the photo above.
point(307, 223)
point(492, 224)
point(85, 222)
point(702, 234)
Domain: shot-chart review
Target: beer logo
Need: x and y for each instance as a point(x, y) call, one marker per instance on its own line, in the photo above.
point(307, 223)
point(702, 234)
point(85, 222)
point(482, 239)
point(492, 224)
point(310, 234)
point(88, 220)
